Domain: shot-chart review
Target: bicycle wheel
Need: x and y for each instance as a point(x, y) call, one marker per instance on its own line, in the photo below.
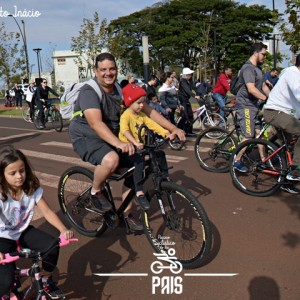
point(213, 119)
point(176, 144)
point(74, 199)
point(26, 114)
point(36, 118)
point(56, 119)
point(213, 149)
point(261, 179)
point(184, 226)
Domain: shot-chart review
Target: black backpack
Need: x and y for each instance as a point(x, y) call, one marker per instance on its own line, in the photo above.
point(235, 84)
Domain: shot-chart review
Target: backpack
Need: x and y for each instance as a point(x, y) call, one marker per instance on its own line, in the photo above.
point(235, 84)
point(70, 96)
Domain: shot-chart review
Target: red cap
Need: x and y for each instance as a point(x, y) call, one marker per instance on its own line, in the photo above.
point(132, 92)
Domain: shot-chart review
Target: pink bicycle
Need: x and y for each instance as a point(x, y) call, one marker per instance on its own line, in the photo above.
point(35, 290)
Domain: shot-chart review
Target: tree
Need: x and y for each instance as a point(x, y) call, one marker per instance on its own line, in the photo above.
point(191, 33)
point(92, 39)
point(291, 29)
point(12, 59)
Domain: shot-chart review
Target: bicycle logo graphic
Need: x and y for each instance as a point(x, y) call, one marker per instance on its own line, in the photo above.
point(173, 264)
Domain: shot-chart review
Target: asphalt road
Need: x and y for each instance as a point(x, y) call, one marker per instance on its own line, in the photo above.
point(257, 239)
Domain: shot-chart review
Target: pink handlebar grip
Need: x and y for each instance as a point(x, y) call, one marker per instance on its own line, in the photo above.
point(64, 241)
point(8, 259)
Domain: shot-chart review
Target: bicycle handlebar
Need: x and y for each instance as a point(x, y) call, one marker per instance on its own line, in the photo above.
point(11, 257)
point(150, 143)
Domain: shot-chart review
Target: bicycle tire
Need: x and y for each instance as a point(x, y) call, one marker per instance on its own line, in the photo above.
point(192, 244)
point(213, 119)
point(36, 118)
point(262, 179)
point(176, 144)
point(74, 200)
point(56, 119)
point(213, 148)
point(26, 114)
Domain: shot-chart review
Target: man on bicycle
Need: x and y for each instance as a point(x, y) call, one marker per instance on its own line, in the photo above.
point(42, 95)
point(282, 110)
point(252, 90)
point(221, 88)
point(94, 133)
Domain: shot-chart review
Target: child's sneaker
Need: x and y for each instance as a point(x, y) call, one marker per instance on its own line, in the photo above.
point(51, 289)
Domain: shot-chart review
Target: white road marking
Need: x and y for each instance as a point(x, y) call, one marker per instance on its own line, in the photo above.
point(15, 136)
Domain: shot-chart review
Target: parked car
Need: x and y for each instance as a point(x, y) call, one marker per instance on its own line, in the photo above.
point(24, 88)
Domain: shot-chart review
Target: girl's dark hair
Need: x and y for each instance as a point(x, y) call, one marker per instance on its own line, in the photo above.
point(104, 56)
point(9, 155)
point(165, 76)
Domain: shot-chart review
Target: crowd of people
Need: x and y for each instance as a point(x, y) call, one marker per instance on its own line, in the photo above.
point(101, 129)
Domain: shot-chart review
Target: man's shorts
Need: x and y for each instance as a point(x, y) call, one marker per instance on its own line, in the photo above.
point(93, 150)
point(246, 119)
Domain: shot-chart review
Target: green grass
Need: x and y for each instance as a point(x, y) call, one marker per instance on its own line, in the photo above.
point(11, 112)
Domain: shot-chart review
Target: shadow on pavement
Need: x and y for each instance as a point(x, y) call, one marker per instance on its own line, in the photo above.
point(263, 288)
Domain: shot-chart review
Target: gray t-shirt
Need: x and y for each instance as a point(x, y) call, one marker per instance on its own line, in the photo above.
point(109, 104)
point(249, 73)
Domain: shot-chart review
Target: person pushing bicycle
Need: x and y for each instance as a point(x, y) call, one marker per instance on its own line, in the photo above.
point(94, 132)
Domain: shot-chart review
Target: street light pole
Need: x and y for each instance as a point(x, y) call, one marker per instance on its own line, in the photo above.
point(23, 35)
point(26, 50)
point(37, 51)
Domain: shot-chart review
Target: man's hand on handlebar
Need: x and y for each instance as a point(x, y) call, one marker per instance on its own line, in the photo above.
point(177, 132)
point(126, 148)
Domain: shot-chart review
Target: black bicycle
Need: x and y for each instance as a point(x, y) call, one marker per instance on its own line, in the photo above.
point(52, 115)
point(175, 215)
point(214, 146)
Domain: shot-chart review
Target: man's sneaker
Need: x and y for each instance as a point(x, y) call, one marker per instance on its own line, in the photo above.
point(143, 202)
point(239, 166)
point(294, 175)
point(100, 202)
point(133, 224)
point(52, 290)
point(290, 188)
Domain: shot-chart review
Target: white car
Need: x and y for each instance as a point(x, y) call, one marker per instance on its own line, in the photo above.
point(24, 88)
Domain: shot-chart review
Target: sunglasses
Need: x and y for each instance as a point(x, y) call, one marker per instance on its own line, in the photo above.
point(44, 81)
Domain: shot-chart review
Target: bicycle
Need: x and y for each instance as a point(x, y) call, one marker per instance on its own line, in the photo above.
point(265, 175)
point(174, 212)
point(214, 146)
point(52, 115)
point(34, 272)
point(205, 114)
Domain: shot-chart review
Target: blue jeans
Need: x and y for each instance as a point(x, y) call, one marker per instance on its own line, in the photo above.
point(221, 100)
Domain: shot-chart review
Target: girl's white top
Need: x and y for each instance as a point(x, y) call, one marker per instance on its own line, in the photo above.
point(15, 216)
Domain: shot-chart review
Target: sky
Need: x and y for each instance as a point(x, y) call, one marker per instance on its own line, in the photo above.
point(50, 25)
